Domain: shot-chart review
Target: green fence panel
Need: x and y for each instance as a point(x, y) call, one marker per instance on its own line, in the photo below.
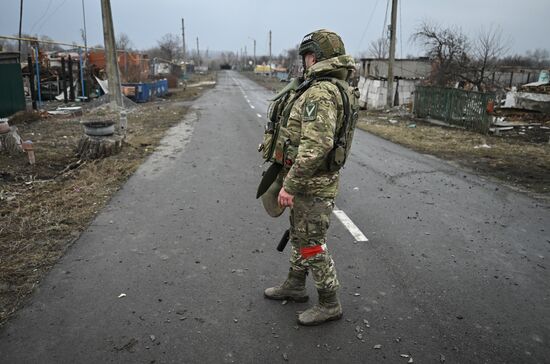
point(12, 96)
point(466, 109)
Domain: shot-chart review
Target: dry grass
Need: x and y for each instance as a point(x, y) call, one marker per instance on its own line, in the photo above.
point(44, 208)
point(517, 162)
point(271, 83)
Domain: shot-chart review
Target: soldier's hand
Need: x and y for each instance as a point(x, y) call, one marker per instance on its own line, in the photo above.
point(285, 199)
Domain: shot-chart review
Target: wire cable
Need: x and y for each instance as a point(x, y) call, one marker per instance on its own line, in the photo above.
point(367, 26)
point(42, 17)
point(52, 14)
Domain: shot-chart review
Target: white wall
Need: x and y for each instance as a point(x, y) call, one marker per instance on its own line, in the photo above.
point(374, 92)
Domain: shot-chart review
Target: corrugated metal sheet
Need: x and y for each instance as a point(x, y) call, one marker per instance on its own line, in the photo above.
point(12, 96)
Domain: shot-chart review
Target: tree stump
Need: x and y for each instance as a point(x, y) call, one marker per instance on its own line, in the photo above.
point(11, 142)
point(96, 147)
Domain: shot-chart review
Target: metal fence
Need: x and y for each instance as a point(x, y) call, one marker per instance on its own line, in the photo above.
point(467, 109)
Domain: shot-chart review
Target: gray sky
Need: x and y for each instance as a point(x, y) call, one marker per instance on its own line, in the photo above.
point(227, 25)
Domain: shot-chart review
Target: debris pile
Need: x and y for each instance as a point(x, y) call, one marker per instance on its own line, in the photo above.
point(525, 113)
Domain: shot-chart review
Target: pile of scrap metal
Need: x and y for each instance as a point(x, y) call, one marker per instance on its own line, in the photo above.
point(526, 110)
point(59, 78)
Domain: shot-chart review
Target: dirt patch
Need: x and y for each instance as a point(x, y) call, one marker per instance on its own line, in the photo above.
point(520, 159)
point(271, 83)
point(45, 207)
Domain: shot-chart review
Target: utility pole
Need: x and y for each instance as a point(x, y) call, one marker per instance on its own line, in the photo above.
point(270, 50)
point(85, 35)
point(393, 26)
point(183, 38)
point(20, 25)
point(198, 52)
point(110, 55)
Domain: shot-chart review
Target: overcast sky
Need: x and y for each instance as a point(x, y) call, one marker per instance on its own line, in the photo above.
point(229, 25)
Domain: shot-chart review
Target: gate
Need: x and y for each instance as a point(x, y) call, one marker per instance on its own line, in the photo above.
point(466, 109)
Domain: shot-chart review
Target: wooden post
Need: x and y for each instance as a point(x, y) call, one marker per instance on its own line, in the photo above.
point(31, 82)
point(64, 80)
point(110, 55)
point(393, 26)
point(71, 83)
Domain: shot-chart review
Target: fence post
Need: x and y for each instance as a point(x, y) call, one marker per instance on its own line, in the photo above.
point(38, 76)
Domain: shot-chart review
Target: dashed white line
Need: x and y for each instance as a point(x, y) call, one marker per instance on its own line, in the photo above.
point(259, 115)
point(352, 228)
point(252, 106)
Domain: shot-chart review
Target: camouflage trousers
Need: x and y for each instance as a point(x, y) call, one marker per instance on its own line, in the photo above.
point(309, 222)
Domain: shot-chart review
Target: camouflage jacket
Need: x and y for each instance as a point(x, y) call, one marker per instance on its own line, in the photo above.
point(310, 130)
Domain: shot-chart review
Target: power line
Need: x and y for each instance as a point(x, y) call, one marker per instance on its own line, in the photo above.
point(49, 16)
point(385, 20)
point(42, 17)
point(367, 27)
point(401, 33)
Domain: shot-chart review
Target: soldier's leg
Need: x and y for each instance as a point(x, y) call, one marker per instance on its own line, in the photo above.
point(312, 219)
point(294, 287)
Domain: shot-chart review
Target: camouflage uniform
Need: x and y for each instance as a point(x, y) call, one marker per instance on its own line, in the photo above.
point(310, 130)
point(308, 138)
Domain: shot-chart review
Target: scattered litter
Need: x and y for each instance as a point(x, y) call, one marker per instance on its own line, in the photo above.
point(235, 320)
point(285, 356)
point(357, 294)
point(377, 346)
point(360, 336)
point(393, 121)
point(405, 355)
point(66, 110)
point(441, 358)
point(410, 360)
point(411, 126)
point(122, 295)
point(284, 302)
point(152, 337)
point(485, 145)
point(356, 188)
point(128, 346)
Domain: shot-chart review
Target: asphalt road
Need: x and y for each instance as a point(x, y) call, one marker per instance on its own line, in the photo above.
point(454, 270)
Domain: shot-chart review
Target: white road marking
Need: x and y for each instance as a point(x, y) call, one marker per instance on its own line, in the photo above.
point(352, 228)
point(259, 115)
point(252, 107)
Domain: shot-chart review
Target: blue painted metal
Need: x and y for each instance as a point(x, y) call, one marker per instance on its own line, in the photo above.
point(38, 76)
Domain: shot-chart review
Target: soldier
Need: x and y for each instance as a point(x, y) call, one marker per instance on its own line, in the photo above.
point(308, 138)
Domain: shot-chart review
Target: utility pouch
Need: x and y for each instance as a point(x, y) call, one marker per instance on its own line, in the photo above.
point(336, 158)
point(290, 153)
point(267, 144)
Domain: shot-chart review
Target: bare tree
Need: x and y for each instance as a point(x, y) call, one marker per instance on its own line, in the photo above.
point(123, 42)
point(539, 56)
point(379, 48)
point(487, 49)
point(169, 46)
point(448, 47)
point(49, 46)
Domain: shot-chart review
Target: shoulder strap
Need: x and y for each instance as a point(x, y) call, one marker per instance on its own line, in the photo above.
point(340, 138)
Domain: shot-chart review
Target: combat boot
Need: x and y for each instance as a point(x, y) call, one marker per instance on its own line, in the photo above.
point(328, 309)
point(293, 289)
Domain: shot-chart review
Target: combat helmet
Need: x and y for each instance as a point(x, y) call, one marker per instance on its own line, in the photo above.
point(323, 43)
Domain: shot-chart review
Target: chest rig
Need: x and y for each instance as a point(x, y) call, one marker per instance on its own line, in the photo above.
point(277, 149)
